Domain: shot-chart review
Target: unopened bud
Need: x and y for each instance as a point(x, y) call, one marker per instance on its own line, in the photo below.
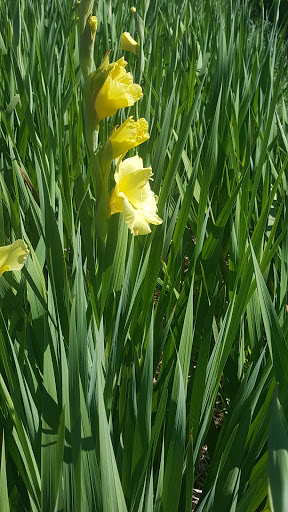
point(129, 44)
point(93, 22)
point(87, 46)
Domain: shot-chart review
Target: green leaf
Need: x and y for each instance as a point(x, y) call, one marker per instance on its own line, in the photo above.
point(176, 447)
point(276, 340)
point(278, 458)
point(4, 499)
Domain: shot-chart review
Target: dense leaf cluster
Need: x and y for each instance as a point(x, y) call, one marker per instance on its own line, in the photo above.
point(112, 358)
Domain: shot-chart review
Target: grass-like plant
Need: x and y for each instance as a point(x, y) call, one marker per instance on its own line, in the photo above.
point(126, 360)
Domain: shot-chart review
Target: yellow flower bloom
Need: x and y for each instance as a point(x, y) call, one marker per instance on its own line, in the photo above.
point(129, 44)
point(118, 91)
point(129, 135)
point(12, 257)
point(133, 9)
point(133, 196)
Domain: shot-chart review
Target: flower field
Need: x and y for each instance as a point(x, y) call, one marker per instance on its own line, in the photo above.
point(143, 256)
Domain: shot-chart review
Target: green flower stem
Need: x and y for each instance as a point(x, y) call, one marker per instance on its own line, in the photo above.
point(85, 9)
point(86, 48)
point(100, 177)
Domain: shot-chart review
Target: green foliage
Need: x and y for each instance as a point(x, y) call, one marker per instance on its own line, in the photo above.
point(112, 357)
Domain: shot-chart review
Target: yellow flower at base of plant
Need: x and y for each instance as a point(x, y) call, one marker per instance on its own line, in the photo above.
point(129, 44)
point(129, 135)
point(13, 257)
point(118, 91)
point(133, 196)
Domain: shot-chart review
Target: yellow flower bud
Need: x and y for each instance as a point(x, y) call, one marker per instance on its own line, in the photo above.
point(12, 257)
point(129, 44)
point(93, 22)
point(133, 196)
point(118, 91)
point(133, 9)
point(129, 135)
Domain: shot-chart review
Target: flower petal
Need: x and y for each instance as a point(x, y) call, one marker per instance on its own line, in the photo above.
point(129, 166)
point(135, 221)
point(129, 44)
point(12, 257)
point(112, 96)
point(116, 201)
point(151, 217)
point(118, 91)
point(146, 199)
point(129, 135)
point(135, 91)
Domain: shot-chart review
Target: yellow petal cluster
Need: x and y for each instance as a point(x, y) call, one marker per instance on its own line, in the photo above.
point(133, 196)
point(129, 135)
point(129, 44)
point(118, 91)
point(12, 257)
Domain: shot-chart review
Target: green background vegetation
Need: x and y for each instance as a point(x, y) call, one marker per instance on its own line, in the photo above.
point(118, 365)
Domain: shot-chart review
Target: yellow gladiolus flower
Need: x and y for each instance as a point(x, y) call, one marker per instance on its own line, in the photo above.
point(118, 91)
point(129, 135)
point(133, 196)
point(133, 9)
point(129, 44)
point(12, 257)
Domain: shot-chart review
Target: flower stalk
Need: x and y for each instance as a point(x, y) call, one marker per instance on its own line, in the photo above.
point(86, 49)
point(85, 9)
point(106, 90)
